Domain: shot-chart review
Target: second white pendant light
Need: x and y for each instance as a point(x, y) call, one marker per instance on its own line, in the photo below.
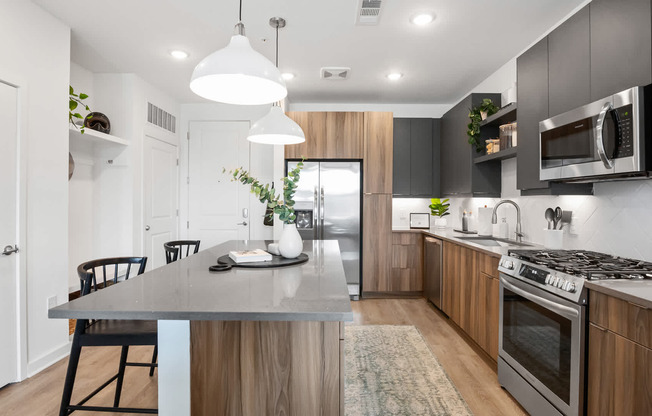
point(237, 74)
point(276, 127)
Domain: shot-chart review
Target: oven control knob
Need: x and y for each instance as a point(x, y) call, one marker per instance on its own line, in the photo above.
point(571, 287)
point(548, 279)
point(560, 283)
point(564, 286)
point(508, 264)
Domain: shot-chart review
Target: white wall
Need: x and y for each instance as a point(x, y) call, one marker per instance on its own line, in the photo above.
point(262, 159)
point(36, 57)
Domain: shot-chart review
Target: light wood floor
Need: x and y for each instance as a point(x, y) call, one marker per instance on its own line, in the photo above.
point(471, 373)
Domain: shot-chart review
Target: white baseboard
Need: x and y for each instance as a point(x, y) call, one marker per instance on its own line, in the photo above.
point(40, 364)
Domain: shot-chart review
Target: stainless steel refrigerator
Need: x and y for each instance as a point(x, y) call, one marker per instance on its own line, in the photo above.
point(327, 206)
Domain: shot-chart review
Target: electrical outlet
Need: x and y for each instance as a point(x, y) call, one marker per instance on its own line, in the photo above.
point(402, 214)
point(52, 302)
point(572, 227)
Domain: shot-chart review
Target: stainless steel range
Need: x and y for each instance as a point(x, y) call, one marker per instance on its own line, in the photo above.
point(542, 338)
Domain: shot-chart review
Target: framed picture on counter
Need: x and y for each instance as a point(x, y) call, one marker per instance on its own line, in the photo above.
point(419, 220)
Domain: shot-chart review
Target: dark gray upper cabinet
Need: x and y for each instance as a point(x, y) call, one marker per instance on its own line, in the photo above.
point(569, 70)
point(416, 157)
point(459, 175)
point(621, 45)
point(532, 81)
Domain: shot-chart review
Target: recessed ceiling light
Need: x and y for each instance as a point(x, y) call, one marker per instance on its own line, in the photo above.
point(287, 76)
point(394, 76)
point(422, 19)
point(179, 54)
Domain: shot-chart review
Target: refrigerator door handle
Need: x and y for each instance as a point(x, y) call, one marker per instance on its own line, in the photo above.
point(321, 214)
point(315, 230)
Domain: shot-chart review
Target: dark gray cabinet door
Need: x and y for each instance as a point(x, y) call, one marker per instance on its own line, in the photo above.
point(401, 173)
point(532, 81)
point(621, 45)
point(421, 157)
point(569, 69)
point(455, 150)
point(436, 157)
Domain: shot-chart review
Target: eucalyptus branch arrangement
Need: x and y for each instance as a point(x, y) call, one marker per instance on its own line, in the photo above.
point(73, 103)
point(283, 205)
point(438, 207)
point(475, 115)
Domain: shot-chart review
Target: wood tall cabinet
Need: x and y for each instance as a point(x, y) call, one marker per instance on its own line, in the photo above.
point(376, 243)
point(329, 135)
point(378, 152)
point(620, 357)
point(470, 294)
point(407, 262)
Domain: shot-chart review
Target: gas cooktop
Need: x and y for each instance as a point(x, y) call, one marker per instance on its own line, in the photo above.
point(586, 264)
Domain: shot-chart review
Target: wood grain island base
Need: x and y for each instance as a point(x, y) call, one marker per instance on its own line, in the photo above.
point(247, 368)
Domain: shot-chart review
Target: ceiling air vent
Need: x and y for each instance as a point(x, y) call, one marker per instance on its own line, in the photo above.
point(161, 118)
point(368, 12)
point(335, 73)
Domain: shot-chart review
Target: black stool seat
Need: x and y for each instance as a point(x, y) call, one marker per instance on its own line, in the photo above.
point(118, 332)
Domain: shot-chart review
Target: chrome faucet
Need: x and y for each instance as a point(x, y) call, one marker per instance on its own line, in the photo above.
point(494, 217)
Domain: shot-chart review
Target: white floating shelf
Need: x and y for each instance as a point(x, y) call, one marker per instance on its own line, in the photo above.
point(94, 136)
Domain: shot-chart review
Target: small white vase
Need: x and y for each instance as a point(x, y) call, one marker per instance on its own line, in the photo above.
point(290, 245)
point(440, 223)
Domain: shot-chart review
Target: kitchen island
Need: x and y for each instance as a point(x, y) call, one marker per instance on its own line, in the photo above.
point(242, 342)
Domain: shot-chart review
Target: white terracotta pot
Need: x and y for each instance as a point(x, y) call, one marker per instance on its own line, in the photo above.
point(290, 245)
point(440, 223)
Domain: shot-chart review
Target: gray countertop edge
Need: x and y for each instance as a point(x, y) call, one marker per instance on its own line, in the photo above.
point(204, 316)
point(643, 296)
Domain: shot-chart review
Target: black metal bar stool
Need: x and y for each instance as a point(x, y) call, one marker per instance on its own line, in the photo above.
point(174, 249)
point(107, 332)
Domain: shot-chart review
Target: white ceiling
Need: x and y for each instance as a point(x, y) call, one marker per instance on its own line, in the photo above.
point(468, 41)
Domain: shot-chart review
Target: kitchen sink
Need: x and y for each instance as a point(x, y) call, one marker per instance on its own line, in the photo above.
point(494, 241)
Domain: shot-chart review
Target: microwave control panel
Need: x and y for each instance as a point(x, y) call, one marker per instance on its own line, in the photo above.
point(625, 145)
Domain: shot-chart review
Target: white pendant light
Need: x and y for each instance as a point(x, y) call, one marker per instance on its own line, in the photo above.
point(237, 74)
point(276, 127)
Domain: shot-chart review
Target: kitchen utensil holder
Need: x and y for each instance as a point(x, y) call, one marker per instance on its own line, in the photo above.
point(553, 239)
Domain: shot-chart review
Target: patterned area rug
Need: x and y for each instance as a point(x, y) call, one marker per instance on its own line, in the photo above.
point(391, 371)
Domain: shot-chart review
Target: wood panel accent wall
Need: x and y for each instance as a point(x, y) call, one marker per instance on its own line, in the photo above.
point(244, 368)
point(376, 242)
point(407, 262)
point(329, 135)
point(378, 152)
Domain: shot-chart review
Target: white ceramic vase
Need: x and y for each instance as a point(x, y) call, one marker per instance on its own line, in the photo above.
point(440, 223)
point(290, 245)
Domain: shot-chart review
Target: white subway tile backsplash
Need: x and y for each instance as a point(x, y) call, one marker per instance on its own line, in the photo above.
point(617, 219)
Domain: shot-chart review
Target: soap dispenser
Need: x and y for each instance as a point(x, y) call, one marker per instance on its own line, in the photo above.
point(465, 221)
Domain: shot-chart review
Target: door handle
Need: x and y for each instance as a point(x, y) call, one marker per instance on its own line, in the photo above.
point(9, 250)
point(242, 223)
point(147, 228)
point(599, 137)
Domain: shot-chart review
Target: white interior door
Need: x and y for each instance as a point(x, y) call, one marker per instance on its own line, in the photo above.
point(160, 185)
point(8, 234)
point(218, 208)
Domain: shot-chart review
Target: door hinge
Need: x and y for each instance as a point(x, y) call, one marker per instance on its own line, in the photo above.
point(177, 213)
point(188, 180)
point(177, 161)
point(187, 225)
point(187, 135)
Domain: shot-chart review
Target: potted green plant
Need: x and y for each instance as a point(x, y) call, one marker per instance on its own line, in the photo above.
point(74, 101)
point(290, 243)
point(476, 115)
point(439, 209)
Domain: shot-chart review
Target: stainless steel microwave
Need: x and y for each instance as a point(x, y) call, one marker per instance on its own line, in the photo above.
point(605, 140)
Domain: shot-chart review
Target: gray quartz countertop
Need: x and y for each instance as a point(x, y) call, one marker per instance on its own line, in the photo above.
point(459, 238)
point(635, 291)
point(186, 290)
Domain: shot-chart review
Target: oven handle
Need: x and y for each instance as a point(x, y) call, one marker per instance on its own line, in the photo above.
point(562, 310)
point(599, 139)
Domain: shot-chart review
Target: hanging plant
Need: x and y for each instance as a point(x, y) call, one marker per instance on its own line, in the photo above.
point(73, 103)
point(476, 116)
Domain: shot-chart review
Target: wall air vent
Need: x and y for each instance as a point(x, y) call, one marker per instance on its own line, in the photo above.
point(368, 12)
point(335, 73)
point(161, 118)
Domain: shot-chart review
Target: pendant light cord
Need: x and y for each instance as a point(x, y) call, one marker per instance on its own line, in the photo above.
point(240, 12)
point(277, 45)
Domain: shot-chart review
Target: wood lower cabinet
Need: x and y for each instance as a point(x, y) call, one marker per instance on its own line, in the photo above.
point(470, 294)
point(620, 357)
point(407, 262)
point(619, 375)
point(376, 243)
point(329, 135)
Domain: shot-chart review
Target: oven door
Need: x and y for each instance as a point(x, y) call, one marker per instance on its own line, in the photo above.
point(542, 337)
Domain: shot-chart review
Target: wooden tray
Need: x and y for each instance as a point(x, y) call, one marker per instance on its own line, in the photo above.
point(277, 261)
